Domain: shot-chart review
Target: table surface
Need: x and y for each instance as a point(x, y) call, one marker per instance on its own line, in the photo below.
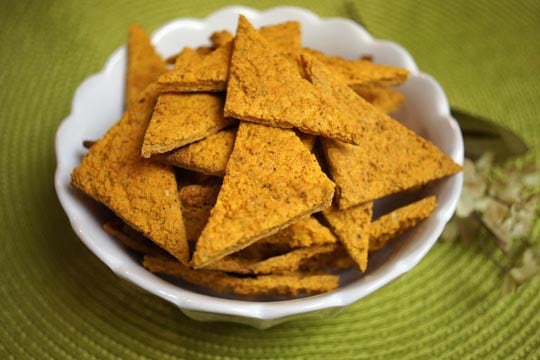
point(58, 301)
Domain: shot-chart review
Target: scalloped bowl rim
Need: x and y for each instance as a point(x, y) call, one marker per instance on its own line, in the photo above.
point(125, 267)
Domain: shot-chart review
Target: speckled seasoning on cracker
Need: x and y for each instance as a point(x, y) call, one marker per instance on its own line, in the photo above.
point(360, 72)
point(391, 159)
point(197, 200)
point(209, 155)
point(179, 119)
point(285, 39)
point(288, 262)
point(194, 71)
point(142, 193)
point(220, 38)
point(271, 180)
point(305, 232)
point(395, 223)
point(352, 227)
point(259, 76)
point(385, 99)
point(144, 65)
point(254, 165)
point(290, 284)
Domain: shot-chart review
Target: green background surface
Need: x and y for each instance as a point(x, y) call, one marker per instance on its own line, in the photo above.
point(58, 301)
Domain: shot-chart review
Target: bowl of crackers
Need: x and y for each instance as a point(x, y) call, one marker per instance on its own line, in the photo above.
point(259, 166)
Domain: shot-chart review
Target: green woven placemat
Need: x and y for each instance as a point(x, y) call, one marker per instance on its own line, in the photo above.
point(58, 301)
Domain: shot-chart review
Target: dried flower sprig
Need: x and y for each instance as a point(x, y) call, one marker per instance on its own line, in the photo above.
point(500, 203)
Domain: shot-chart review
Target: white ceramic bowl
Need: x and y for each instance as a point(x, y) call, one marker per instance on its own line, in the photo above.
point(98, 103)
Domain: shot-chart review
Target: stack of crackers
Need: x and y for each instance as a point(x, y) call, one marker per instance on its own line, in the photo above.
point(252, 166)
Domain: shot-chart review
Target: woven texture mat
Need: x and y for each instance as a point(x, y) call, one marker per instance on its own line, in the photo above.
point(58, 301)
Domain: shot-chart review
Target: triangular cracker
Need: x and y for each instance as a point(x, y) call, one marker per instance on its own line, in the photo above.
point(291, 261)
point(261, 250)
point(303, 233)
point(197, 201)
point(144, 65)
point(280, 264)
point(142, 193)
point(338, 259)
point(390, 157)
point(385, 99)
point(352, 228)
point(342, 97)
point(285, 38)
point(306, 232)
point(271, 180)
point(201, 50)
point(209, 155)
point(180, 119)
point(194, 72)
point(220, 38)
point(292, 284)
point(360, 72)
point(265, 87)
point(395, 223)
point(233, 265)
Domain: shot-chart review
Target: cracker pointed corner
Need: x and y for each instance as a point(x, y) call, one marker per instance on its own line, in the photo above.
point(271, 180)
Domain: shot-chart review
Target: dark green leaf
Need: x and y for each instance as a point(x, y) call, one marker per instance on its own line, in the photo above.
point(481, 136)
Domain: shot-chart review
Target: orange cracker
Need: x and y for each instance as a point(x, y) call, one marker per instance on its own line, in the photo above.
point(144, 65)
point(209, 155)
point(285, 38)
point(142, 193)
point(390, 157)
point(385, 99)
point(181, 119)
point(309, 232)
point(232, 264)
point(341, 96)
point(290, 261)
point(361, 72)
point(395, 223)
point(271, 180)
point(338, 259)
point(303, 233)
point(137, 243)
point(261, 250)
point(194, 72)
point(197, 201)
point(280, 264)
point(167, 265)
point(265, 87)
point(201, 50)
point(352, 228)
point(220, 38)
point(292, 284)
